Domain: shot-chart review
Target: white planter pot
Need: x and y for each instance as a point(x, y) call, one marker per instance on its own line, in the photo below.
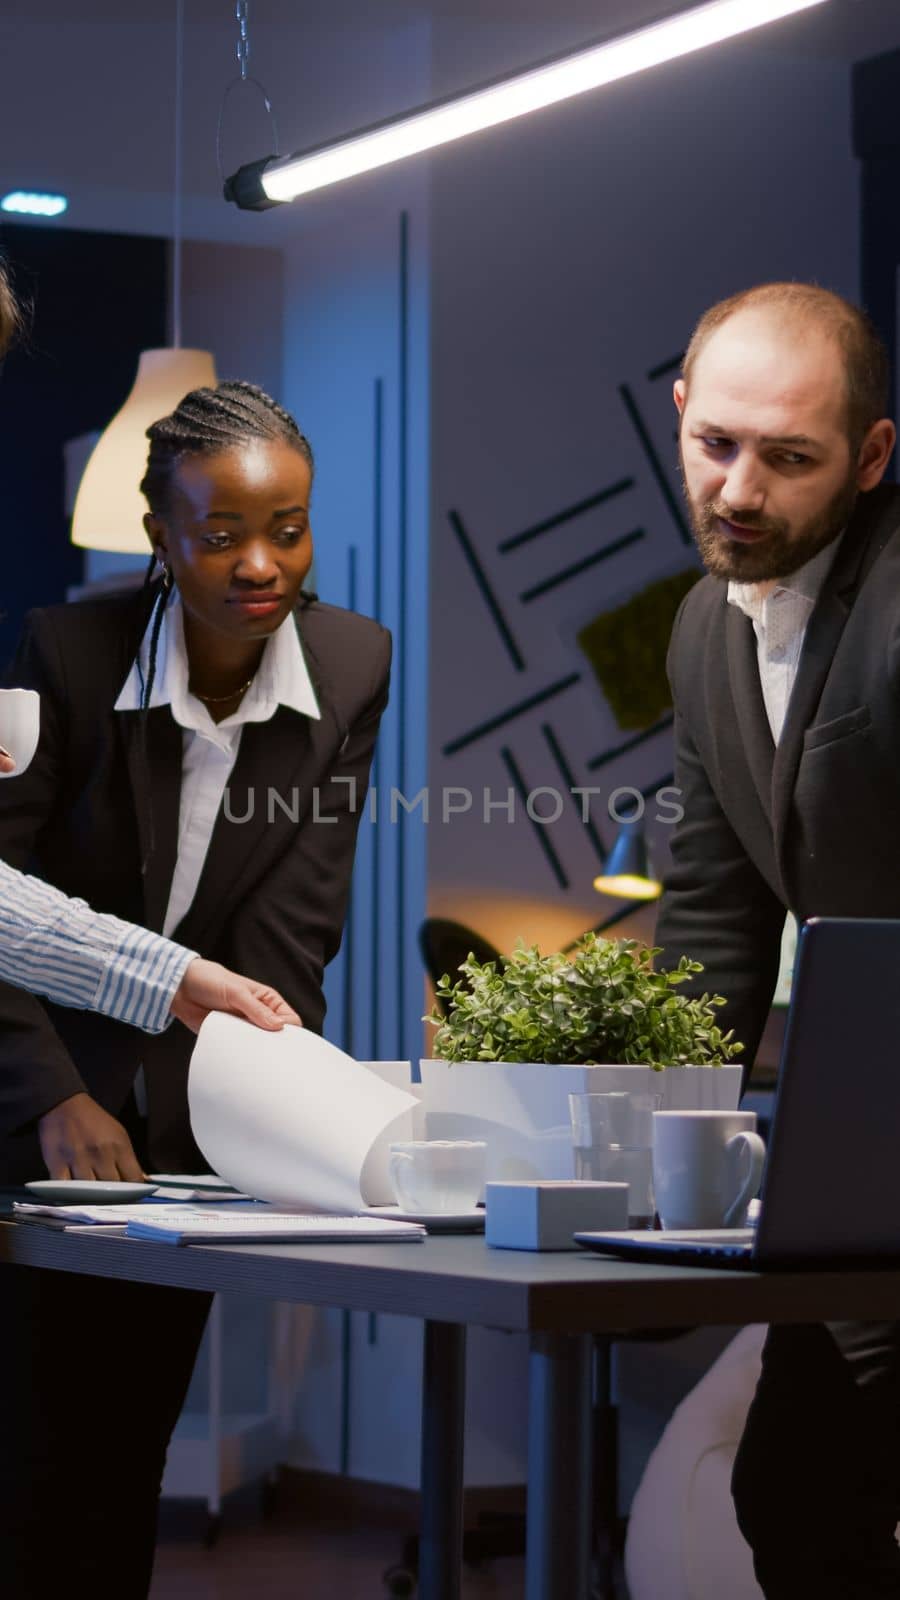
point(521, 1109)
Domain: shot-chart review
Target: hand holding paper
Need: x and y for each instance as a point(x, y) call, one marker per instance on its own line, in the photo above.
point(207, 986)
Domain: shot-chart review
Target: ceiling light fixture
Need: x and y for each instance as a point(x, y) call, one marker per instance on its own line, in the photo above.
point(243, 80)
point(26, 203)
point(273, 181)
point(109, 508)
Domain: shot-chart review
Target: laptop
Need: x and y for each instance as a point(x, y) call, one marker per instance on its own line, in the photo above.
point(831, 1186)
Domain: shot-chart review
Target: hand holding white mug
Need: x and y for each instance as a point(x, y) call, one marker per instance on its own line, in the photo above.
point(707, 1167)
point(20, 726)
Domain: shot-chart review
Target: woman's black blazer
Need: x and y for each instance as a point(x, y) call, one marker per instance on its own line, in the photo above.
point(97, 815)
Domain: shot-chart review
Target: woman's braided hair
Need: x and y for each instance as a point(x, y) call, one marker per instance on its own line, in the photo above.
point(208, 421)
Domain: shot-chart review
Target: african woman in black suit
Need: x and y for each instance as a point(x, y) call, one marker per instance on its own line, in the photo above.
point(204, 755)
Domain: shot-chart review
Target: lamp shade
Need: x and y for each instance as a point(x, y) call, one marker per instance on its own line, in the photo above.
point(628, 872)
point(109, 507)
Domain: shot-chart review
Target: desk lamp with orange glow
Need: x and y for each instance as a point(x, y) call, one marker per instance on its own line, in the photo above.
point(628, 871)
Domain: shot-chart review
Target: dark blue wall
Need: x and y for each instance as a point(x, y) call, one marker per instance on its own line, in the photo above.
point(98, 300)
point(876, 140)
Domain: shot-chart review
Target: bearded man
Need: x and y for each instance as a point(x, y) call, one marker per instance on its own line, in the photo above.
point(785, 673)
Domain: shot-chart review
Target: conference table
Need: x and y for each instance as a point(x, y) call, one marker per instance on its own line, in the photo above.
point(559, 1299)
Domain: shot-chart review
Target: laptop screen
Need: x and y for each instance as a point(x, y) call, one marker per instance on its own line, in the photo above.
point(831, 1189)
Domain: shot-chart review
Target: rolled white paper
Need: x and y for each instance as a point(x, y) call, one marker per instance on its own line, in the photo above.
point(289, 1118)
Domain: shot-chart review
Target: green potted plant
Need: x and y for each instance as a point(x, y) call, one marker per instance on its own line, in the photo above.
point(521, 1034)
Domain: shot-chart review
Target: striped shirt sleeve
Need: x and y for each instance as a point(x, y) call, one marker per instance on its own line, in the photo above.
point(60, 948)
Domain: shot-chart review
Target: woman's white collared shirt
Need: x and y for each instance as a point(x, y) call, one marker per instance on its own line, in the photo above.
point(210, 749)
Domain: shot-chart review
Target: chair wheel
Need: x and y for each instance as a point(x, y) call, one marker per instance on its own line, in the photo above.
point(213, 1529)
point(399, 1581)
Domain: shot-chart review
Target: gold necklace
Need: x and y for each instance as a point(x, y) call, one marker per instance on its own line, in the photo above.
point(219, 699)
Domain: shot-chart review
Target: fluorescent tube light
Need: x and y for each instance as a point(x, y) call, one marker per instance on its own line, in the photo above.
point(34, 205)
point(272, 181)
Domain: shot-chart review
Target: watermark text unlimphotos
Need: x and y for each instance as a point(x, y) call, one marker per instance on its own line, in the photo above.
point(544, 805)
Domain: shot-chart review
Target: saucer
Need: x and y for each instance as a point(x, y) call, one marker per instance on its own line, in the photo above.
point(433, 1221)
point(88, 1191)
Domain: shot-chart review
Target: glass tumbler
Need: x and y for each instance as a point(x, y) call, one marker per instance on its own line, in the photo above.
point(612, 1142)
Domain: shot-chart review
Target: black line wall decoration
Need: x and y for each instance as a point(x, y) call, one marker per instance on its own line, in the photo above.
point(579, 567)
point(539, 828)
point(651, 790)
point(486, 590)
point(663, 368)
point(570, 783)
point(509, 715)
point(654, 463)
point(617, 750)
point(557, 706)
point(567, 514)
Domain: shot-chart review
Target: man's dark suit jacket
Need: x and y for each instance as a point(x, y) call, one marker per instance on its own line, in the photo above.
point(96, 819)
point(812, 827)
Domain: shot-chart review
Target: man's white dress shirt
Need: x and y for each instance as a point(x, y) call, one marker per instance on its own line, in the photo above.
point(780, 620)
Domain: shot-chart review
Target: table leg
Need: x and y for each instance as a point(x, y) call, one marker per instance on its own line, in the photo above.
point(559, 1467)
point(605, 1498)
point(443, 1420)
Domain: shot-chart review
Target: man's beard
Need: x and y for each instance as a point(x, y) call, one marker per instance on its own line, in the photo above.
point(783, 550)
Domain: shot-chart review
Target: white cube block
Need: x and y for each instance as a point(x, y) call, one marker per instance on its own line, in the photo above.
point(545, 1215)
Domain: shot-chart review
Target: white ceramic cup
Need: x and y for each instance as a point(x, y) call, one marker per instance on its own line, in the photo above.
point(438, 1177)
point(20, 726)
point(707, 1167)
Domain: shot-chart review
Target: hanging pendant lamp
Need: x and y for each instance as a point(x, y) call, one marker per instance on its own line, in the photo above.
point(109, 507)
point(628, 871)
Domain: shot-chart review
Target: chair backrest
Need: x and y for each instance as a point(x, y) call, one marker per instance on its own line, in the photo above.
point(445, 945)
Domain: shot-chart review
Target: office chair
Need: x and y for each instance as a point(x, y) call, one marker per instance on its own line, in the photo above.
point(444, 946)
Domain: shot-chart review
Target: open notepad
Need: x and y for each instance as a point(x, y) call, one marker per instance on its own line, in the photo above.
point(193, 1224)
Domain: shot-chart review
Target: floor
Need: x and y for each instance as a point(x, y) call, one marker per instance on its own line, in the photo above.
point(284, 1556)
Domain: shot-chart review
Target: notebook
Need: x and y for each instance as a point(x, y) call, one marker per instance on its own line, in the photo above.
point(209, 1226)
point(192, 1224)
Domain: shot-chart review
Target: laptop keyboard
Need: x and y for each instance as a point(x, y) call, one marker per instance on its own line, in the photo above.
point(727, 1237)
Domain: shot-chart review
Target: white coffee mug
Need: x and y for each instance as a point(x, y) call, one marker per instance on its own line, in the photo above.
point(707, 1167)
point(438, 1177)
point(20, 726)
